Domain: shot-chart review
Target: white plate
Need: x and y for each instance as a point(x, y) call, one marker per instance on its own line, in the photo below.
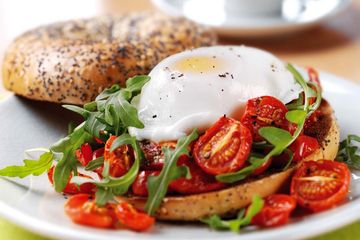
point(296, 15)
point(33, 204)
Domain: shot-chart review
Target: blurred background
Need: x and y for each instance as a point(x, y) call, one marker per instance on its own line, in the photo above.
point(333, 46)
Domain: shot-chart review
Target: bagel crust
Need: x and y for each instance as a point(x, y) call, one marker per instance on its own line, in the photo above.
point(73, 61)
point(229, 200)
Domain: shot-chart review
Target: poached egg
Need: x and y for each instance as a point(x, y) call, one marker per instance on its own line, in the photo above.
point(193, 89)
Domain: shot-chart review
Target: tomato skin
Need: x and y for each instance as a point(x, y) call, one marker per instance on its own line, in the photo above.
point(264, 111)
point(121, 159)
point(224, 147)
point(154, 157)
point(200, 181)
point(276, 211)
point(317, 194)
point(303, 147)
point(83, 210)
point(84, 154)
point(314, 76)
point(260, 170)
point(98, 140)
point(72, 188)
point(133, 219)
point(139, 186)
point(98, 153)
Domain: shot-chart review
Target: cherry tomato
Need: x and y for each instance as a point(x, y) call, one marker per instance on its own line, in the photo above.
point(264, 111)
point(320, 185)
point(314, 76)
point(132, 218)
point(84, 154)
point(72, 188)
point(139, 187)
point(154, 157)
point(260, 170)
point(276, 211)
point(198, 183)
point(224, 147)
point(98, 153)
point(121, 159)
point(98, 140)
point(303, 147)
point(82, 210)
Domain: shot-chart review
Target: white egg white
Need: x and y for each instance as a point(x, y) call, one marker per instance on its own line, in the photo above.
point(193, 89)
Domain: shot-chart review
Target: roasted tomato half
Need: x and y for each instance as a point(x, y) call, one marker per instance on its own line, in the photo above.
point(82, 210)
point(198, 183)
point(303, 147)
point(264, 111)
point(72, 188)
point(320, 185)
point(131, 218)
point(154, 157)
point(276, 211)
point(139, 186)
point(84, 154)
point(121, 159)
point(224, 147)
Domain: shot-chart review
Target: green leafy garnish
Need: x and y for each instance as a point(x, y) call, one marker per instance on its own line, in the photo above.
point(234, 225)
point(94, 164)
point(112, 112)
point(64, 154)
point(348, 152)
point(102, 196)
point(110, 186)
point(158, 185)
point(279, 138)
point(31, 167)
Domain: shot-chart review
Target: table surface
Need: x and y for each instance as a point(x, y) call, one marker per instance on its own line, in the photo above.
point(334, 47)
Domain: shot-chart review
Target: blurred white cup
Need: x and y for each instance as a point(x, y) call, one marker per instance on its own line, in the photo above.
point(253, 7)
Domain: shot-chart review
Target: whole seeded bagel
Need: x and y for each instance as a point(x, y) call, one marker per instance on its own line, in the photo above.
point(71, 62)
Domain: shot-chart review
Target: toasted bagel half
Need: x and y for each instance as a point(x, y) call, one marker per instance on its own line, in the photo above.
point(229, 200)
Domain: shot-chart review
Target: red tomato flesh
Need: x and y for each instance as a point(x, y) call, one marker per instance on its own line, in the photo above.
point(276, 211)
point(320, 185)
point(82, 210)
point(199, 182)
point(72, 188)
point(303, 147)
point(121, 159)
point(84, 154)
point(139, 186)
point(131, 218)
point(224, 147)
point(264, 111)
point(154, 157)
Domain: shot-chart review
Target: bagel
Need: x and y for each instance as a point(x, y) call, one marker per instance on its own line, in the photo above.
point(229, 200)
point(73, 61)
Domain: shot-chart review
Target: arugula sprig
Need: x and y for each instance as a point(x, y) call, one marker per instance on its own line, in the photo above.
point(348, 152)
point(241, 220)
point(64, 154)
point(158, 185)
point(279, 138)
point(110, 113)
point(34, 167)
point(109, 186)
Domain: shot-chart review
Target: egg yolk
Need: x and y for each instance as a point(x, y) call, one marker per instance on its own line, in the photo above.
point(197, 64)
